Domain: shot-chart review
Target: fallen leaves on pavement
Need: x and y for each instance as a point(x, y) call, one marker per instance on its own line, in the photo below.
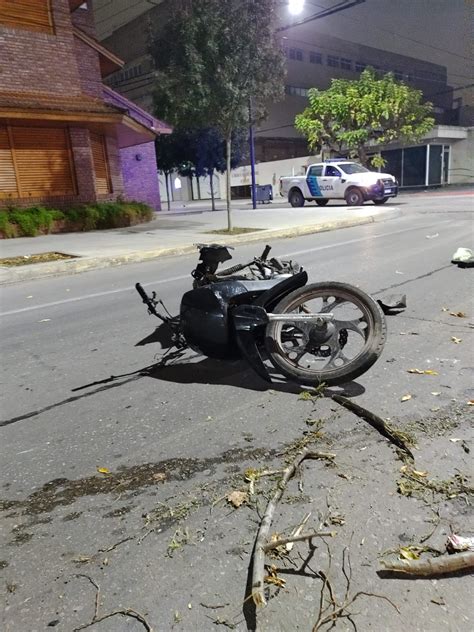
point(237, 498)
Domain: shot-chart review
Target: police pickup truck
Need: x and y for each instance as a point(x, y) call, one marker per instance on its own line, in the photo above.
point(338, 180)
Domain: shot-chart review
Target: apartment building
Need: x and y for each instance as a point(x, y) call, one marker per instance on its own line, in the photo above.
point(314, 58)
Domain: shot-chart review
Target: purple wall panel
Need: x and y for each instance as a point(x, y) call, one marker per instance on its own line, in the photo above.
point(140, 176)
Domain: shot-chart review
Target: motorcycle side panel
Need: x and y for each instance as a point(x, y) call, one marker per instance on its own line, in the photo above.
point(204, 312)
point(204, 318)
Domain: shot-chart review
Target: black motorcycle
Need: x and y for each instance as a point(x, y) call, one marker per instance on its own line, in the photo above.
point(324, 332)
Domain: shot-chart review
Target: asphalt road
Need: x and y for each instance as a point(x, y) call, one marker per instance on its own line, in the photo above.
point(155, 531)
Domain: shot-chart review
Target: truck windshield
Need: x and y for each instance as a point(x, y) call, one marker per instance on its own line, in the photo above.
point(352, 167)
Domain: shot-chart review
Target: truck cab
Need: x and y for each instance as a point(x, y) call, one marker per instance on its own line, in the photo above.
point(338, 180)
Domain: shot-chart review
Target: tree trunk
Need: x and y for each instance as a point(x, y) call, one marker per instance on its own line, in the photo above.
point(198, 187)
point(228, 154)
point(362, 155)
point(167, 191)
point(211, 182)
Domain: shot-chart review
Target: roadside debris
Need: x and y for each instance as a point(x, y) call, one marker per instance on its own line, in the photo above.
point(127, 612)
point(397, 437)
point(329, 608)
point(262, 542)
point(406, 398)
point(410, 562)
point(459, 543)
point(391, 302)
point(237, 498)
point(463, 257)
point(422, 371)
point(415, 483)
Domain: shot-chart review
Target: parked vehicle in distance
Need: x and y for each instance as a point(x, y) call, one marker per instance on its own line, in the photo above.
point(338, 180)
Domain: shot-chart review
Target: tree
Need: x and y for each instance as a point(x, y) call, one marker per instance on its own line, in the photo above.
point(353, 115)
point(210, 153)
point(212, 58)
point(170, 155)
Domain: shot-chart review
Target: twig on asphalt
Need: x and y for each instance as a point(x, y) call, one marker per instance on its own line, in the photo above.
point(328, 614)
point(127, 612)
point(114, 546)
point(274, 544)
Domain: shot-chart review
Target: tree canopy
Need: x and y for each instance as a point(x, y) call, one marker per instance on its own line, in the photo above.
point(198, 153)
point(213, 58)
point(354, 115)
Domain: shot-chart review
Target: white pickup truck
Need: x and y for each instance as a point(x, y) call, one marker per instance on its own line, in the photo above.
point(338, 180)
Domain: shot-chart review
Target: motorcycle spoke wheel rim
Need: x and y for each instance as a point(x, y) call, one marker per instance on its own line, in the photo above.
point(351, 318)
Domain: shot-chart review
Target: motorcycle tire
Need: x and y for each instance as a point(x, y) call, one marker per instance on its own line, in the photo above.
point(278, 334)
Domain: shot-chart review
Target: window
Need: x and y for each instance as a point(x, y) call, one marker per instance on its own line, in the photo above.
point(346, 63)
point(333, 61)
point(332, 171)
point(296, 91)
point(315, 58)
point(360, 66)
point(103, 184)
point(353, 167)
point(35, 162)
point(316, 171)
point(296, 53)
point(8, 185)
point(33, 15)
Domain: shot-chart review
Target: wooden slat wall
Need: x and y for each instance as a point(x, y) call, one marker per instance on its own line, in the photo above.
point(30, 14)
point(8, 185)
point(99, 156)
point(43, 161)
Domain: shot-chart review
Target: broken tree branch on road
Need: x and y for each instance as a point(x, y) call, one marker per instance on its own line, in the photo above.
point(395, 436)
point(262, 542)
point(433, 566)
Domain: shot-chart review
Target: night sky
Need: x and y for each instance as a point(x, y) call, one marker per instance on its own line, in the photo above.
point(387, 24)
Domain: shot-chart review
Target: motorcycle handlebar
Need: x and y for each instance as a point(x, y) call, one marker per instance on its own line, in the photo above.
point(265, 253)
point(142, 293)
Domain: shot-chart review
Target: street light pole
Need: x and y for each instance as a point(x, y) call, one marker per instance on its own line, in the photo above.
point(252, 157)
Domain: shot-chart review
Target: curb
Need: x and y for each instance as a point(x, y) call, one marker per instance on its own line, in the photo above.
point(76, 266)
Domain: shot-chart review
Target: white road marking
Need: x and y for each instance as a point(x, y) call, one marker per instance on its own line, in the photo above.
point(86, 297)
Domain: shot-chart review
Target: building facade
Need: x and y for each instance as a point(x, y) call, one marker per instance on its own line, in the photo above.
point(65, 138)
point(313, 58)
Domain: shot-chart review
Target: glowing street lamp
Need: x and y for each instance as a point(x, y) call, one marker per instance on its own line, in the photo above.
point(295, 7)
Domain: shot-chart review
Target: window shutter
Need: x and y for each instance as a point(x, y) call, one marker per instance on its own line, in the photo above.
point(99, 156)
point(8, 185)
point(29, 14)
point(43, 161)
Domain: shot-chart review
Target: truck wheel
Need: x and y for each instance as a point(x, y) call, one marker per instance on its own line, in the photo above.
point(354, 197)
point(296, 198)
point(380, 201)
point(322, 201)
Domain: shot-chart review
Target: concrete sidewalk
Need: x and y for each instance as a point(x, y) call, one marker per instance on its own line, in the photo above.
point(177, 232)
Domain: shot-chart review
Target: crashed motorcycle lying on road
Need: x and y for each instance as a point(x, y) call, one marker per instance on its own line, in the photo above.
point(264, 310)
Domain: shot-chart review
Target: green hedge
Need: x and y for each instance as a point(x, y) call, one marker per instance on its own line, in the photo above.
point(29, 222)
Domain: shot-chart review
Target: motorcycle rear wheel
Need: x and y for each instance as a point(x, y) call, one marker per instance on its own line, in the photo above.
point(343, 351)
